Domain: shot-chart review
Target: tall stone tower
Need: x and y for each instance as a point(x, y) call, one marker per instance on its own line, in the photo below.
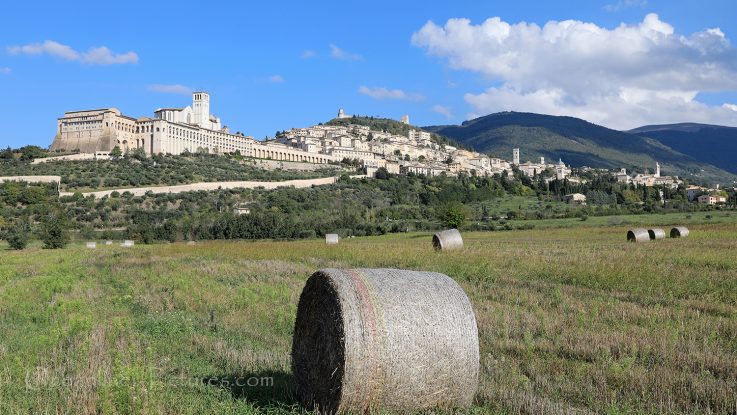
point(515, 156)
point(201, 108)
point(341, 114)
point(405, 119)
point(657, 169)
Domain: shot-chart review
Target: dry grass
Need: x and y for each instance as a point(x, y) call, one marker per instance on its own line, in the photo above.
point(570, 320)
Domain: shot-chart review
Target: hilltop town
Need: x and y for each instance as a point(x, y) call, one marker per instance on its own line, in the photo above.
point(95, 134)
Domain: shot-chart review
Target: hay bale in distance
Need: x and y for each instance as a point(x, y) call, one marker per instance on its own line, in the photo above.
point(108, 242)
point(384, 339)
point(331, 239)
point(679, 232)
point(638, 235)
point(447, 240)
point(127, 243)
point(656, 233)
point(190, 243)
point(91, 245)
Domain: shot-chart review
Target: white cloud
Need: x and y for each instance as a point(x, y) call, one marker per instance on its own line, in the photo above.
point(171, 89)
point(625, 4)
point(307, 54)
point(339, 53)
point(5, 70)
point(442, 110)
point(276, 79)
point(48, 47)
point(728, 106)
point(94, 56)
point(622, 77)
point(104, 56)
point(385, 93)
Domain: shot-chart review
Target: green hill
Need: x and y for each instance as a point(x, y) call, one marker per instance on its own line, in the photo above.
point(577, 142)
point(712, 144)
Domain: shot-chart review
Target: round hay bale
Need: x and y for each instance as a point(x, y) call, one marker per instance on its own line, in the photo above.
point(190, 243)
point(656, 233)
point(91, 245)
point(108, 242)
point(638, 235)
point(127, 243)
point(447, 240)
point(679, 232)
point(384, 339)
point(332, 238)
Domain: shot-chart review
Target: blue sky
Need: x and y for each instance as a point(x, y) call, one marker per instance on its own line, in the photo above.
point(271, 66)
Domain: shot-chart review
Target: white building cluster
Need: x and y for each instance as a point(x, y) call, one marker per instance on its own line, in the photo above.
point(645, 179)
point(414, 153)
point(558, 171)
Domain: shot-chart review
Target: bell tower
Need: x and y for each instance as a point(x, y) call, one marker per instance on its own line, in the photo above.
point(201, 108)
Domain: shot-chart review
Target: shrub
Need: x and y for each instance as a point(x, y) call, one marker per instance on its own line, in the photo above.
point(54, 233)
point(17, 235)
point(453, 215)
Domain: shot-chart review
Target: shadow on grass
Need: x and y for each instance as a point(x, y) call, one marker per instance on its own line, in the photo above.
point(268, 388)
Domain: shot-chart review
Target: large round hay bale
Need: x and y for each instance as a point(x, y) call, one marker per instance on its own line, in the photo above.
point(108, 242)
point(679, 232)
point(656, 233)
point(91, 245)
point(127, 243)
point(371, 339)
point(447, 240)
point(638, 235)
point(331, 238)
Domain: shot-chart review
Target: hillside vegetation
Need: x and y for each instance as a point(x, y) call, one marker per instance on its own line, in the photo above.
point(570, 321)
point(138, 170)
point(350, 207)
point(578, 143)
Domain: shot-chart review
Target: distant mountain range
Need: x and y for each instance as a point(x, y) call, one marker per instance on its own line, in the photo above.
point(698, 152)
point(713, 144)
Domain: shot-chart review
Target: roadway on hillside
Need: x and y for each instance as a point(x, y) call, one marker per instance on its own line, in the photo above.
point(192, 187)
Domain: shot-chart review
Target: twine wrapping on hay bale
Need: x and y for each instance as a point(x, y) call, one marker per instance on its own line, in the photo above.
point(447, 240)
point(679, 232)
point(638, 235)
point(369, 339)
point(331, 238)
point(91, 245)
point(656, 233)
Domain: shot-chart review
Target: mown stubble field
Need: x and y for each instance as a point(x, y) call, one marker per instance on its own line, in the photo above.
point(570, 321)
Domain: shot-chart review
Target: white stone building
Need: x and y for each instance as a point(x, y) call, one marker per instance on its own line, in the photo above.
point(418, 135)
point(172, 130)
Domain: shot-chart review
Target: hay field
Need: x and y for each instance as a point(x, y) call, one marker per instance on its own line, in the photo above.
point(570, 320)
